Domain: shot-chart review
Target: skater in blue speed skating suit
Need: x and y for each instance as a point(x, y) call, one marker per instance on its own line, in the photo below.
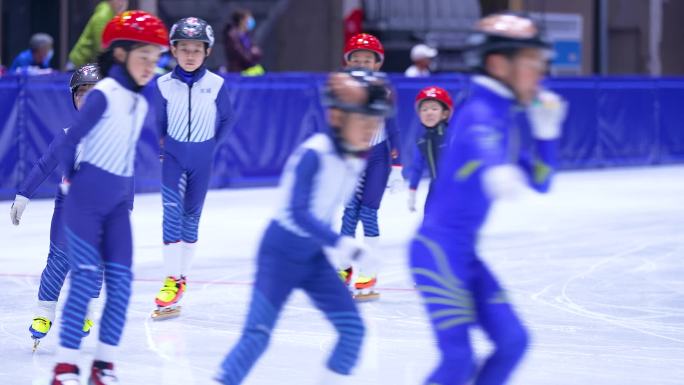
point(98, 189)
point(383, 169)
point(434, 107)
point(487, 158)
point(297, 245)
point(57, 266)
point(195, 112)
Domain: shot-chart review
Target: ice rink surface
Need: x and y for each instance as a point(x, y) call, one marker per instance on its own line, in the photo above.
point(596, 270)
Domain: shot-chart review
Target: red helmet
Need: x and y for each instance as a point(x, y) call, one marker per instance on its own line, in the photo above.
point(364, 41)
point(138, 26)
point(435, 93)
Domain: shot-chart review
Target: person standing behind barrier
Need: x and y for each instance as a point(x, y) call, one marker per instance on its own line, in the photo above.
point(242, 54)
point(195, 113)
point(421, 56)
point(89, 43)
point(37, 56)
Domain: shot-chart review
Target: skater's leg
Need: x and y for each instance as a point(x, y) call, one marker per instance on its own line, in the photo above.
point(52, 278)
point(504, 328)
point(195, 194)
point(117, 251)
point(377, 174)
point(332, 298)
point(350, 218)
point(174, 182)
point(450, 307)
point(274, 282)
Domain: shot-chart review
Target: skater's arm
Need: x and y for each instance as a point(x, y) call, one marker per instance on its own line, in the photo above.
point(226, 115)
point(91, 113)
point(158, 107)
point(42, 169)
point(392, 129)
point(302, 197)
point(417, 168)
point(540, 167)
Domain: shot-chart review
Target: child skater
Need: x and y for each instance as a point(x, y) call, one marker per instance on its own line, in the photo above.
point(97, 188)
point(195, 113)
point(484, 161)
point(383, 170)
point(434, 107)
point(57, 266)
point(299, 241)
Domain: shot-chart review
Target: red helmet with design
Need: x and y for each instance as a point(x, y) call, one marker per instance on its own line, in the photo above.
point(364, 41)
point(138, 26)
point(436, 93)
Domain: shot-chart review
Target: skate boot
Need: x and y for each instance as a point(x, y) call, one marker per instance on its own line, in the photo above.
point(102, 373)
point(87, 325)
point(168, 297)
point(346, 275)
point(65, 374)
point(39, 328)
point(364, 289)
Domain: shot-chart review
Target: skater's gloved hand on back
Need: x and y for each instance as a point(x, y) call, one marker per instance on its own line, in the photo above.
point(64, 186)
point(411, 203)
point(18, 208)
point(346, 251)
point(546, 114)
point(506, 181)
point(395, 183)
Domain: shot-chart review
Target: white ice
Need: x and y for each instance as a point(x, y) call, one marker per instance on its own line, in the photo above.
point(596, 270)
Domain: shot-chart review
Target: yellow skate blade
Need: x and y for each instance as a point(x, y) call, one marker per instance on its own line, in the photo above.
point(166, 313)
point(367, 297)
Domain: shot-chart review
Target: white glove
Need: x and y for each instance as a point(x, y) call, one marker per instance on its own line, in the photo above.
point(395, 183)
point(546, 114)
point(64, 186)
point(18, 208)
point(411, 200)
point(504, 182)
point(346, 251)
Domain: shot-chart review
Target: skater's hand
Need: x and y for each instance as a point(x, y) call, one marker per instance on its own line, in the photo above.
point(505, 181)
point(395, 183)
point(546, 114)
point(346, 251)
point(411, 203)
point(64, 186)
point(18, 208)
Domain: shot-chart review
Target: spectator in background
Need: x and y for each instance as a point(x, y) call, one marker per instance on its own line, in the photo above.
point(421, 56)
point(242, 55)
point(88, 45)
point(37, 56)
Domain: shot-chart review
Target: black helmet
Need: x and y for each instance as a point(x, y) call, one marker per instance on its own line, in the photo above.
point(192, 28)
point(380, 98)
point(502, 32)
point(85, 74)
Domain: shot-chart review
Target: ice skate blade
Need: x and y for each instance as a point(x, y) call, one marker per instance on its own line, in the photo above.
point(368, 297)
point(162, 314)
point(36, 342)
